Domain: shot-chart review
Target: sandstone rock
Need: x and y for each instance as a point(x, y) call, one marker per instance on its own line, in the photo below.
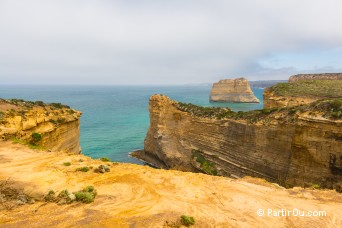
point(233, 90)
point(289, 151)
point(59, 128)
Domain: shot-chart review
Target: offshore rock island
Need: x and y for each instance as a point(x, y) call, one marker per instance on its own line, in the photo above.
point(232, 90)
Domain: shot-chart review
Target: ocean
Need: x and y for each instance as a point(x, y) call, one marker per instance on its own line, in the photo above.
point(115, 118)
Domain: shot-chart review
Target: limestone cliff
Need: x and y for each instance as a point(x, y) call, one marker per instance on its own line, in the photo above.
point(232, 90)
point(325, 76)
point(55, 127)
point(291, 147)
point(301, 92)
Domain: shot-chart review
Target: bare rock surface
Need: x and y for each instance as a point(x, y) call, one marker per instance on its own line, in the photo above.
point(233, 90)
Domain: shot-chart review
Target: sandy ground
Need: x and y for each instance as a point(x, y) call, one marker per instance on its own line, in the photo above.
point(137, 196)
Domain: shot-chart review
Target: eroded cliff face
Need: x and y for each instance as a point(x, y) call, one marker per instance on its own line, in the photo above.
point(325, 76)
point(272, 100)
point(233, 90)
point(56, 127)
point(291, 150)
point(301, 91)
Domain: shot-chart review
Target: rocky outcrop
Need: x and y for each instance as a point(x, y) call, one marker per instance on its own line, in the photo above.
point(301, 92)
point(284, 146)
point(272, 100)
point(325, 76)
point(54, 127)
point(232, 90)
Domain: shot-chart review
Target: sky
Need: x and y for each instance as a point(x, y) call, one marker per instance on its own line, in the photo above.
point(146, 42)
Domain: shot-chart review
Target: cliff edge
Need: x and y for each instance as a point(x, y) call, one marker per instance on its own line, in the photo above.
point(54, 126)
point(325, 76)
point(233, 90)
point(289, 146)
point(301, 92)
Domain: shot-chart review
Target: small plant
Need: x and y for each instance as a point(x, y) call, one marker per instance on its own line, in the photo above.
point(206, 166)
point(35, 138)
point(87, 195)
point(102, 169)
point(315, 186)
point(67, 163)
point(39, 103)
point(50, 196)
point(83, 169)
point(65, 197)
point(104, 159)
point(187, 220)
point(60, 120)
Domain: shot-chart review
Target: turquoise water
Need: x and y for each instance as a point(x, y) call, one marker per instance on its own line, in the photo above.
point(115, 118)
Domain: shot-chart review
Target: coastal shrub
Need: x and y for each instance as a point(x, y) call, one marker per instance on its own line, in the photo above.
point(59, 105)
point(206, 166)
point(87, 195)
point(60, 120)
point(65, 197)
point(309, 88)
point(67, 163)
point(39, 103)
point(105, 159)
point(331, 108)
point(83, 169)
point(35, 138)
point(315, 186)
point(70, 111)
point(50, 196)
point(102, 169)
point(187, 220)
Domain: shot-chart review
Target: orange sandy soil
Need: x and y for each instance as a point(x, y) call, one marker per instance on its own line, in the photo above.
point(138, 196)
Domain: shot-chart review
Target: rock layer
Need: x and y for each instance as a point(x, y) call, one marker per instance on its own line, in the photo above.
point(233, 90)
point(325, 76)
point(58, 125)
point(303, 150)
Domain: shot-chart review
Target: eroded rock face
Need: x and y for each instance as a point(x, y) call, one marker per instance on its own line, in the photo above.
point(291, 152)
point(325, 76)
point(233, 90)
point(58, 128)
point(272, 100)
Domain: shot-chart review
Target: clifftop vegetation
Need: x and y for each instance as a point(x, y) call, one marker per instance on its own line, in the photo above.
point(330, 109)
point(309, 88)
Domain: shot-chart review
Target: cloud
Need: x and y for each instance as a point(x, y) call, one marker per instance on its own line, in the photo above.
point(160, 42)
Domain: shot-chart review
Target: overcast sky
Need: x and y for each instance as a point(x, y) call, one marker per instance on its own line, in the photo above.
point(166, 42)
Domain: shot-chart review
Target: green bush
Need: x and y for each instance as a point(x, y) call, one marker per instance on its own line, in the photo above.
point(87, 195)
point(67, 163)
point(35, 138)
point(187, 220)
point(104, 159)
point(206, 166)
point(315, 186)
point(83, 169)
point(50, 196)
point(39, 103)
